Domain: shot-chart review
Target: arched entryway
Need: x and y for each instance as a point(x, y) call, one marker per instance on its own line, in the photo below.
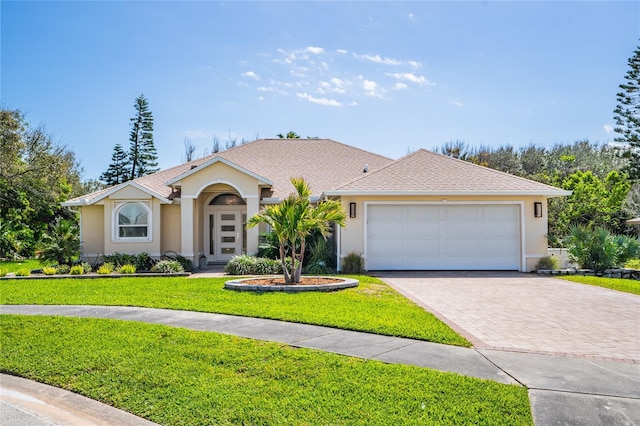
point(225, 216)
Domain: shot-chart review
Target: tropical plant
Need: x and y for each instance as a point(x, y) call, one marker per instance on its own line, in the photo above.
point(106, 268)
point(250, 265)
point(49, 270)
point(295, 218)
point(598, 249)
point(127, 269)
point(23, 272)
point(548, 263)
point(76, 270)
point(626, 115)
point(62, 269)
point(353, 263)
point(167, 267)
point(633, 264)
point(61, 243)
point(319, 256)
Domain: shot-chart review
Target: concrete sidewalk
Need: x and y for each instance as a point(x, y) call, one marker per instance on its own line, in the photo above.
point(562, 390)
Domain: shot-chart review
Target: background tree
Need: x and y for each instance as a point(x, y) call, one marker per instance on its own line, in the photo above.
point(627, 115)
point(143, 156)
point(36, 174)
point(290, 135)
point(118, 170)
point(189, 150)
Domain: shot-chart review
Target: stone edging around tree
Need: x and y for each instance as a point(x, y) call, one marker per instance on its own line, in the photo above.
point(239, 285)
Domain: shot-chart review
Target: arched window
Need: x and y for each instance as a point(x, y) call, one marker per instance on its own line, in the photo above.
point(227, 200)
point(132, 221)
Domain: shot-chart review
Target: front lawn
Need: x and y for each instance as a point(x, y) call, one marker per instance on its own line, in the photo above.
point(16, 265)
point(628, 286)
point(372, 307)
point(174, 376)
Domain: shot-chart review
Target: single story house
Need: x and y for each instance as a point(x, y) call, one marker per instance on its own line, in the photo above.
point(424, 211)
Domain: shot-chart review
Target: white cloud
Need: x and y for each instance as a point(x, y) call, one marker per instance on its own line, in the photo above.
point(400, 86)
point(456, 103)
point(316, 50)
point(371, 88)
point(608, 128)
point(320, 101)
point(342, 51)
point(252, 75)
point(410, 77)
point(387, 61)
point(378, 59)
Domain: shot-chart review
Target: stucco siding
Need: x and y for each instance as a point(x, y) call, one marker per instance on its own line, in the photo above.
point(170, 228)
point(92, 225)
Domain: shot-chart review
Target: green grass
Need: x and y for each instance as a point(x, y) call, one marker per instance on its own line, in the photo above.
point(13, 266)
point(628, 286)
point(372, 306)
point(174, 376)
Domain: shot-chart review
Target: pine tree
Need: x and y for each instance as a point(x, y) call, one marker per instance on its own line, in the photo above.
point(118, 170)
point(627, 115)
point(143, 157)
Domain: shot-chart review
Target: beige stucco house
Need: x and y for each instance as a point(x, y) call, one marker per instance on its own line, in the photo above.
point(423, 211)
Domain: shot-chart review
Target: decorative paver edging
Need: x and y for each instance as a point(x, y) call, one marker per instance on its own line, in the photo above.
point(94, 276)
point(240, 285)
point(630, 274)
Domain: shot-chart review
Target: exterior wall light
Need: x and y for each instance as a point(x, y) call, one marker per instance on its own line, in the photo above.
point(352, 210)
point(537, 209)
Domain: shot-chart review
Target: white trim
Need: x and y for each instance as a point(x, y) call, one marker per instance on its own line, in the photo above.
point(113, 190)
point(214, 160)
point(115, 226)
point(523, 263)
point(546, 193)
point(338, 248)
point(217, 181)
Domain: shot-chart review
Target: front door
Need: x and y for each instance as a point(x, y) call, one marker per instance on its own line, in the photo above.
point(227, 234)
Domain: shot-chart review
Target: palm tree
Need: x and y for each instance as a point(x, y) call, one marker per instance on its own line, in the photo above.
point(290, 135)
point(293, 219)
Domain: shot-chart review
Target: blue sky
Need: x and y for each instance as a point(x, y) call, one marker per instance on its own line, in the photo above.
point(388, 77)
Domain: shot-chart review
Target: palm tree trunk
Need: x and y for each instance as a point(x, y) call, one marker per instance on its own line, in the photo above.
point(298, 274)
point(287, 275)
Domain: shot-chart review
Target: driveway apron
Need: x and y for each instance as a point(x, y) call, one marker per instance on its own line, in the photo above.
point(528, 313)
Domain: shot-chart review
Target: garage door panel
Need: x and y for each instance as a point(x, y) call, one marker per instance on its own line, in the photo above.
point(424, 247)
point(460, 229)
point(422, 213)
point(454, 237)
point(499, 229)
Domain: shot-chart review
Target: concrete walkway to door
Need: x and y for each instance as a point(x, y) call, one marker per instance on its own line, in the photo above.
point(527, 313)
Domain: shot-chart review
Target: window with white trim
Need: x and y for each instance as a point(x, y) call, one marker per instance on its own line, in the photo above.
point(133, 221)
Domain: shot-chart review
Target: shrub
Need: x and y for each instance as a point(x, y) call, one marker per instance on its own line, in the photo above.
point(3, 272)
point(61, 242)
point(76, 270)
point(353, 263)
point(187, 264)
point(143, 262)
point(24, 272)
point(49, 270)
point(62, 269)
point(548, 262)
point(633, 264)
point(251, 265)
point(127, 269)
point(167, 267)
point(317, 268)
point(119, 259)
point(86, 268)
point(105, 268)
point(598, 249)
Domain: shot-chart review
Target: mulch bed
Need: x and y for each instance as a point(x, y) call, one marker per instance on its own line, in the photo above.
point(280, 281)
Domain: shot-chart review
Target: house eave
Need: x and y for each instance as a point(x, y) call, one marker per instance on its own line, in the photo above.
point(177, 181)
point(377, 193)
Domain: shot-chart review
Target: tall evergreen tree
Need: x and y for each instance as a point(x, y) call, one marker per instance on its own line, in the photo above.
point(118, 170)
point(143, 157)
point(627, 115)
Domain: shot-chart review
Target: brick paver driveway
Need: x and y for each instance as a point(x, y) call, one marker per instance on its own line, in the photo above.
point(525, 312)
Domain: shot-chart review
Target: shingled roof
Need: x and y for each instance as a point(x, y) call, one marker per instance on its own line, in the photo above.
point(324, 163)
point(425, 172)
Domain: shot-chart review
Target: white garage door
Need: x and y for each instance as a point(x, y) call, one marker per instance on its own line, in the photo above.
point(443, 237)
